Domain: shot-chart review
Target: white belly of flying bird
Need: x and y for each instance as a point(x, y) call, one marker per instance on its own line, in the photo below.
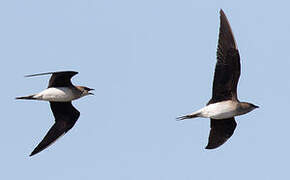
point(220, 110)
point(59, 94)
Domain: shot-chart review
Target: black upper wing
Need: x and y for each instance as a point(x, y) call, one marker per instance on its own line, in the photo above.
point(58, 79)
point(221, 130)
point(61, 79)
point(65, 118)
point(227, 70)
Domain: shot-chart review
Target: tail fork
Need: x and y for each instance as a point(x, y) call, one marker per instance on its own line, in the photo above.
point(190, 116)
point(31, 97)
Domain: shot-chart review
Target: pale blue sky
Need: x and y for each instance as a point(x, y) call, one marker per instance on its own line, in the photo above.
point(149, 61)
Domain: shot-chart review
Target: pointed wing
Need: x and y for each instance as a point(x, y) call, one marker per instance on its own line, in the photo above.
point(65, 118)
point(227, 70)
point(221, 130)
point(58, 79)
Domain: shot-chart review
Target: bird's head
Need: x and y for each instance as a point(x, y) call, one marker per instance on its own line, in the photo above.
point(247, 107)
point(85, 90)
point(253, 106)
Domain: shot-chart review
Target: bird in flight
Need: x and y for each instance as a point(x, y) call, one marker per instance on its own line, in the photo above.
point(60, 93)
point(224, 104)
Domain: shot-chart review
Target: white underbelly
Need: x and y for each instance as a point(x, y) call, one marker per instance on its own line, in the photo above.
point(59, 94)
point(221, 110)
point(223, 115)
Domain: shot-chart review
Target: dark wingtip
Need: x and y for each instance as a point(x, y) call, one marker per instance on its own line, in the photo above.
point(33, 152)
point(222, 14)
point(210, 147)
point(46, 73)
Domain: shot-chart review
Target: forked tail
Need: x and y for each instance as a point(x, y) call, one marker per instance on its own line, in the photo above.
point(189, 116)
point(26, 97)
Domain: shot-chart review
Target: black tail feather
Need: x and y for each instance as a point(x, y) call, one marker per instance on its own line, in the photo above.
point(190, 116)
point(26, 97)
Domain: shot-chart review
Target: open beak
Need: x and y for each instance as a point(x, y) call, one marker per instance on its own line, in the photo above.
point(90, 92)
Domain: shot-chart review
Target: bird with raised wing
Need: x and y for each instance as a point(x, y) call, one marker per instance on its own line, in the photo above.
point(60, 93)
point(224, 104)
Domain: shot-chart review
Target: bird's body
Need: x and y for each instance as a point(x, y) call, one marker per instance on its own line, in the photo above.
point(60, 93)
point(220, 110)
point(224, 104)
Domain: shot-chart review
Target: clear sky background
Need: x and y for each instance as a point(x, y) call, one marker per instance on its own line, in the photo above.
point(150, 62)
